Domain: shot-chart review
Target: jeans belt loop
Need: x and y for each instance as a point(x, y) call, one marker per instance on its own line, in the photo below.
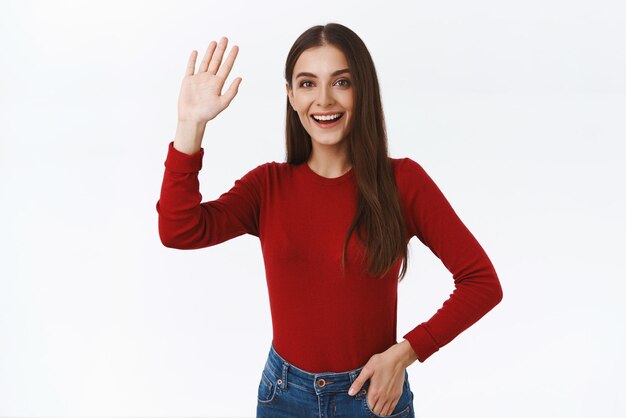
point(285, 370)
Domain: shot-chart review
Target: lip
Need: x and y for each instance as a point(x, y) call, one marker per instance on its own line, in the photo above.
point(328, 125)
point(326, 113)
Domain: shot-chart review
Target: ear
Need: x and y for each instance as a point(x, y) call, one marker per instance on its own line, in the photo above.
point(289, 95)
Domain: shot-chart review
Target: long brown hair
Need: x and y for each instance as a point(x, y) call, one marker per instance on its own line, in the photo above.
point(378, 211)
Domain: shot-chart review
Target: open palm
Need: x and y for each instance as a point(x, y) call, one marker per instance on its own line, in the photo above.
point(201, 97)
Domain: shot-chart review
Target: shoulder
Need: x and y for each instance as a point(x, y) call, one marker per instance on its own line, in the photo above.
point(404, 163)
point(270, 172)
point(267, 167)
point(407, 170)
point(271, 168)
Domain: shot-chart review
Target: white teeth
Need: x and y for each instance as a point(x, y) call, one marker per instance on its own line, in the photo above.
point(328, 117)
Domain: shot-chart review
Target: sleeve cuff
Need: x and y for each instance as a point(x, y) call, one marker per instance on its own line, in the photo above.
point(421, 342)
point(183, 163)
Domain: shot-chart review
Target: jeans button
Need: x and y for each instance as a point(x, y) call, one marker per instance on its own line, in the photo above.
point(321, 383)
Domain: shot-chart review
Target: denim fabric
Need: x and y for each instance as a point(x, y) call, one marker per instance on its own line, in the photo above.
point(289, 392)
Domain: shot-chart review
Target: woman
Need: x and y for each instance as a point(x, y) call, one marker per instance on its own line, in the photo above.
point(334, 222)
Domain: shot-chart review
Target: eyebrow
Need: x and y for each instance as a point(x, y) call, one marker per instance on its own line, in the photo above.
point(305, 74)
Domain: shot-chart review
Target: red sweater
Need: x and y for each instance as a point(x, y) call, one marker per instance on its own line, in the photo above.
point(321, 319)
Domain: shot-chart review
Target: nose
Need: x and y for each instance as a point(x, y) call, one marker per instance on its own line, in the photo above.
point(325, 96)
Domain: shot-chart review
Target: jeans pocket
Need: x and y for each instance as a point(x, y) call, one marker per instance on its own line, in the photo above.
point(402, 408)
point(267, 389)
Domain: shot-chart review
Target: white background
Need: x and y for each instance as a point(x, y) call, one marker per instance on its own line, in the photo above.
point(516, 109)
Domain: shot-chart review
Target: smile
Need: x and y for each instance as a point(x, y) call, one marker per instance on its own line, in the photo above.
point(327, 123)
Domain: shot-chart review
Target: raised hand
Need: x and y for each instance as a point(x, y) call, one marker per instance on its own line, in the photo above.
point(201, 97)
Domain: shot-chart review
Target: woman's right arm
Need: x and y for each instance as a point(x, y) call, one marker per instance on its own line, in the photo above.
point(185, 222)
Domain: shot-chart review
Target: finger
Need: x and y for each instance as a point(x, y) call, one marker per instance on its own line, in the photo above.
point(230, 94)
point(219, 53)
point(360, 380)
point(388, 408)
point(191, 63)
point(228, 64)
point(207, 56)
point(376, 405)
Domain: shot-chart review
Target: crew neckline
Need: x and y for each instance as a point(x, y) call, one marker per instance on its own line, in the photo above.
point(329, 181)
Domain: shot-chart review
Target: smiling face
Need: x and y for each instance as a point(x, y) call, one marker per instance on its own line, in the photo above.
point(322, 85)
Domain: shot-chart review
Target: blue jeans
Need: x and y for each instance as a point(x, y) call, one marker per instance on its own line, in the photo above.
point(289, 392)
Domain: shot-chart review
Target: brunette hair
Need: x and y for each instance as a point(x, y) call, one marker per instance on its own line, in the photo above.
point(378, 213)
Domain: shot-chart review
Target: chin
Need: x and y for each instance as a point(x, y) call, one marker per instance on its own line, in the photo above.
point(328, 140)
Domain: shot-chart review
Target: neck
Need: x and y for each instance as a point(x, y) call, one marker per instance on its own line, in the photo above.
point(329, 161)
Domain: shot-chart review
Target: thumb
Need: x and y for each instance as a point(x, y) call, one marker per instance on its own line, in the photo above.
point(360, 380)
point(229, 95)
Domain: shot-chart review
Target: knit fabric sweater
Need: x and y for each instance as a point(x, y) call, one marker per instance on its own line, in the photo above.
point(323, 318)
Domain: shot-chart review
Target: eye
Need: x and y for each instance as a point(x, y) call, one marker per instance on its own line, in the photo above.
point(345, 80)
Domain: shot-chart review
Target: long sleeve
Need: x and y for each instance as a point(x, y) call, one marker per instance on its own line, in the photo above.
point(187, 223)
point(432, 219)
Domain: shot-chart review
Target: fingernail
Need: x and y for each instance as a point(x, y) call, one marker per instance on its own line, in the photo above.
point(351, 391)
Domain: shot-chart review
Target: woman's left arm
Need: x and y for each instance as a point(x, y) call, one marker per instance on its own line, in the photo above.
point(432, 219)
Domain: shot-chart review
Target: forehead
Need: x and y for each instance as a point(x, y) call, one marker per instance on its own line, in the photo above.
point(321, 60)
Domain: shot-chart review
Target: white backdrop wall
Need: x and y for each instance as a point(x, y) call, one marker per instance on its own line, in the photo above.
point(516, 109)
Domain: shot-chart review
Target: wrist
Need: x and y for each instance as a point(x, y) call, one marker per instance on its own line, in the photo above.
point(191, 122)
point(408, 354)
point(188, 137)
